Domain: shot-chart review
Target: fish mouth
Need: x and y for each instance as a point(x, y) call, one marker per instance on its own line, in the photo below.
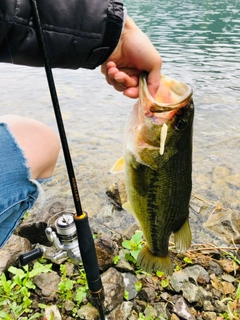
point(157, 117)
point(171, 96)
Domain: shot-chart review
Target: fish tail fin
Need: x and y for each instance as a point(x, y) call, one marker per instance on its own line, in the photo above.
point(183, 237)
point(149, 262)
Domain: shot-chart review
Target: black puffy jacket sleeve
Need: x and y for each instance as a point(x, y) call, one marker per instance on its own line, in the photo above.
point(78, 33)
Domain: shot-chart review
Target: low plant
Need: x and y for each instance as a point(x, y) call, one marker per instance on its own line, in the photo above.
point(233, 307)
point(74, 289)
point(15, 293)
point(133, 246)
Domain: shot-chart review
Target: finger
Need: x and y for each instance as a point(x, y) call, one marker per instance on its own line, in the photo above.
point(126, 80)
point(131, 92)
point(153, 82)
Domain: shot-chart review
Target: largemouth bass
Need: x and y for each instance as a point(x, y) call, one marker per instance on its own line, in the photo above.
point(158, 168)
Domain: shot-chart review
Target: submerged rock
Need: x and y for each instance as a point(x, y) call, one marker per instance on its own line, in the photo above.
point(225, 224)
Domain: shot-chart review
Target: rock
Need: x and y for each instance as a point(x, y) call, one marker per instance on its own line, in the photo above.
point(88, 312)
point(121, 312)
point(228, 265)
point(133, 316)
point(209, 315)
point(225, 225)
point(48, 288)
point(34, 232)
point(52, 312)
point(178, 279)
point(215, 268)
point(113, 288)
point(228, 278)
point(14, 247)
point(180, 282)
point(220, 306)
point(207, 306)
point(181, 308)
point(191, 292)
point(124, 266)
point(161, 310)
point(147, 294)
point(174, 317)
point(117, 194)
point(68, 305)
point(150, 312)
point(130, 281)
point(33, 228)
point(110, 220)
point(195, 272)
point(106, 250)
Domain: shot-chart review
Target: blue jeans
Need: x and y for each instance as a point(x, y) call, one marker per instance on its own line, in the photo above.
point(18, 192)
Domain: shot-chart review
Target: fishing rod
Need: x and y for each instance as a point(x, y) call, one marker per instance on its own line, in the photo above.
point(85, 239)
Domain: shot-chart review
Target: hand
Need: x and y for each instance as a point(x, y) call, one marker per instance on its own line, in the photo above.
point(134, 54)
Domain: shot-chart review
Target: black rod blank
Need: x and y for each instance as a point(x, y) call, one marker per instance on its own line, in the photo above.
point(58, 114)
point(85, 239)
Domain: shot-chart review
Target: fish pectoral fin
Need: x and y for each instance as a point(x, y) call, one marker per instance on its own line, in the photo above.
point(183, 237)
point(149, 261)
point(128, 207)
point(118, 166)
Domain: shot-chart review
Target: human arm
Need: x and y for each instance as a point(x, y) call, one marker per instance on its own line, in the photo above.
point(78, 33)
point(134, 54)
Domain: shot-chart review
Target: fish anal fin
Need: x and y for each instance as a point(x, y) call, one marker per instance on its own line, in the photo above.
point(183, 237)
point(149, 262)
point(118, 166)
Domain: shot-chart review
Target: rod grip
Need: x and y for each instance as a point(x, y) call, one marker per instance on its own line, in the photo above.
point(88, 253)
point(30, 256)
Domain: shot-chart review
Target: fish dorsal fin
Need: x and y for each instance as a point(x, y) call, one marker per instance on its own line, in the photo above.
point(163, 136)
point(118, 166)
point(183, 237)
point(128, 207)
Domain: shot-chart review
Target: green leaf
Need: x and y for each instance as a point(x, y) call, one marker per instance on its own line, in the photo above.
point(5, 316)
point(116, 259)
point(126, 295)
point(138, 286)
point(164, 283)
point(160, 274)
point(134, 254)
point(238, 292)
point(42, 306)
point(16, 271)
point(35, 316)
point(126, 244)
point(39, 268)
point(187, 260)
point(137, 237)
point(128, 257)
point(5, 284)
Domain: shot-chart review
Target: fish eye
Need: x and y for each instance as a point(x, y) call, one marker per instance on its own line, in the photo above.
point(181, 124)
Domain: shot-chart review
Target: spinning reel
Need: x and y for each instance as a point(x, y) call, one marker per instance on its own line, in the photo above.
point(64, 238)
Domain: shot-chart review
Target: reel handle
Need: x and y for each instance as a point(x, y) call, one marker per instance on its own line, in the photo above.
point(34, 254)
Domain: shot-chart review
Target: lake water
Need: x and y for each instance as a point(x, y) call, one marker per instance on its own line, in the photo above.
point(199, 43)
